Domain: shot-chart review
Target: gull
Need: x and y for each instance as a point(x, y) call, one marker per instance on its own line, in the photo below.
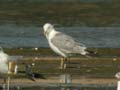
point(117, 75)
point(7, 68)
point(64, 45)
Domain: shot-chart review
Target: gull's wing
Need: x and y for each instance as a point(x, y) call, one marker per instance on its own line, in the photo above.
point(3, 58)
point(67, 44)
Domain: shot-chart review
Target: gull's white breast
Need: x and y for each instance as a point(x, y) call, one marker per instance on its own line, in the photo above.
point(53, 47)
point(3, 62)
point(3, 57)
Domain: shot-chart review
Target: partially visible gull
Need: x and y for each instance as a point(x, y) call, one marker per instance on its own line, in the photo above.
point(7, 67)
point(63, 44)
point(117, 75)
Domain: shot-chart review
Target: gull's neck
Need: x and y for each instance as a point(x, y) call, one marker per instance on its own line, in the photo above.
point(52, 34)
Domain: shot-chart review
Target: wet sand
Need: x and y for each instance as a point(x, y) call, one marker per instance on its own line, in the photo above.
point(54, 81)
point(85, 75)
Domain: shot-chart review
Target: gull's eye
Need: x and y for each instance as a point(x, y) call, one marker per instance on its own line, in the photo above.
point(49, 27)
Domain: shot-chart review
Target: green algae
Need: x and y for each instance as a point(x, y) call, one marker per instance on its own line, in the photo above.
point(65, 14)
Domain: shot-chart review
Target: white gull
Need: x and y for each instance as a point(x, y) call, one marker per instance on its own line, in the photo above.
point(63, 44)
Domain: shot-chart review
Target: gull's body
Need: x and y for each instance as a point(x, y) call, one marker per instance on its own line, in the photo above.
point(63, 44)
point(3, 63)
point(7, 67)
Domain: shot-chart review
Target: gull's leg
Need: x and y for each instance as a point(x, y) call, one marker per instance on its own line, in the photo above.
point(9, 72)
point(65, 63)
point(62, 63)
point(8, 83)
point(4, 84)
point(15, 69)
point(9, 67)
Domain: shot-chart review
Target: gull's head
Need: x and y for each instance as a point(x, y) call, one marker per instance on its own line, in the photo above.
point(48, 28)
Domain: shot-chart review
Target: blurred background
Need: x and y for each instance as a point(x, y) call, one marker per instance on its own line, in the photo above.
point(92, 22)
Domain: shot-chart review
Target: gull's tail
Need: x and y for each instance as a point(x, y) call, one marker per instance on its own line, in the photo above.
point(91, 53)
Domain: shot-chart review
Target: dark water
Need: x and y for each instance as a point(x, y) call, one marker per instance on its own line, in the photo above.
point(12, 35)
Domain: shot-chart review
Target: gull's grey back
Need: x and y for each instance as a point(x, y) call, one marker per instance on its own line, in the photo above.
point(67, 44)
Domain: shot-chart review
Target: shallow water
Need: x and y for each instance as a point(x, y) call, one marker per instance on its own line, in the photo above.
point(12, 35)
point(91, 87)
